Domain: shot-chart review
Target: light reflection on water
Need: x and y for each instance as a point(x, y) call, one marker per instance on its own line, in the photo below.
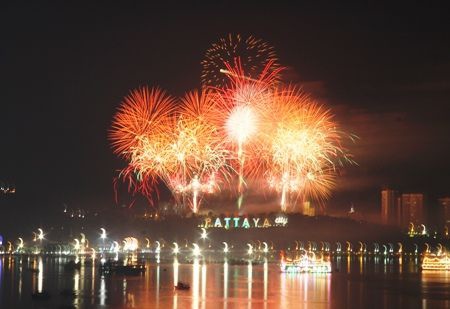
point(358, 282)
point(225, 284)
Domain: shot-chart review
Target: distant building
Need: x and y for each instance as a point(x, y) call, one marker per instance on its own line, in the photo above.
point(412, 209)
point(444, 211)
point(390, 207)
point(308, 209)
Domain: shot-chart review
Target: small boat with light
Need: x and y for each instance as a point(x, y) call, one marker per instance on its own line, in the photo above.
point(72, 265)
point(305, 263)
point(436, 262)
point(118, 268)
point(182, 286)
point(42, 295)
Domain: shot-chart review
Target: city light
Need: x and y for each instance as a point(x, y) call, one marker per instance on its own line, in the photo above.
point(266, 247)
point(176, 249)
point(250, 249)
point(204, 234)
point(20, 245)
point(196, 250)
point(41, 234)
point(103, 233)
point(225, 248)
point(77, 245)
point(130, 244)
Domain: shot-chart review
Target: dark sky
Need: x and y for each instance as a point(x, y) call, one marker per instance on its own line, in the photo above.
point(64, 68)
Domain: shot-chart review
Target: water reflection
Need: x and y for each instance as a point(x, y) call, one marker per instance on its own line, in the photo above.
point(195, 282)
point(175, 270)
point(249, 281)
point(157, 283)
point(102, 291)
point(203, 285)
point(241, 286)
point(175, 281)
point(1, 277)
point(225, 284)
point(76, 287)
point(266, 277)
point(20, 276)
point(40, 275)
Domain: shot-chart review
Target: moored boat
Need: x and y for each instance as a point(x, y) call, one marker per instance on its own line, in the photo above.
point(436, 262)
point(306, 263)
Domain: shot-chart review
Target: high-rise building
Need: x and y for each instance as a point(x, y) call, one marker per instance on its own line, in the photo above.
point(412, 209)
point(389, 207)
point(308, 209)
point(444, 211)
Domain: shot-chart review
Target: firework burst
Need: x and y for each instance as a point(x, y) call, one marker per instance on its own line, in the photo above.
point(303, 148)
point(252, 53)
point(243, 123)
point(197, 154)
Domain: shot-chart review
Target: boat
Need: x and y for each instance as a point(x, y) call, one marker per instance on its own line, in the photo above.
point(72, 265)
point(237, 262)
point(68, 293)
point(182, 286)
point(306, 263)
point(44, 295)
point(436, 262)
point(120, 269)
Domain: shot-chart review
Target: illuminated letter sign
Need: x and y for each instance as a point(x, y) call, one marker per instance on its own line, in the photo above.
point(281, 221)
point(227, 222)
point(245, 223)
point(218, 223)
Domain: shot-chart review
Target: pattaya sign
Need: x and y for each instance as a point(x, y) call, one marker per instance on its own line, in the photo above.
point(244, 222)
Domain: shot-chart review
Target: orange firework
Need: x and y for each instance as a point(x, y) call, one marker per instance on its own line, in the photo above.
point(303, 146)
point(197, 156)
point(143, 114)
point(138, 134)
point(240, 102)
point(243, 123)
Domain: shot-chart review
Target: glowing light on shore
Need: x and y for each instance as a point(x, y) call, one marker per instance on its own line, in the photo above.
point(21, 244)
point(196, 251)
point(41, 234)
point(266, 247)
point(176, 249)
point(204, 234)
point(250, 249)
point(225, 247)
point(130, 244)
point(103, 234)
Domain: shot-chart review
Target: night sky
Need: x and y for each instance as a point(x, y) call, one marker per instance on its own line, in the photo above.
point(64, 68)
